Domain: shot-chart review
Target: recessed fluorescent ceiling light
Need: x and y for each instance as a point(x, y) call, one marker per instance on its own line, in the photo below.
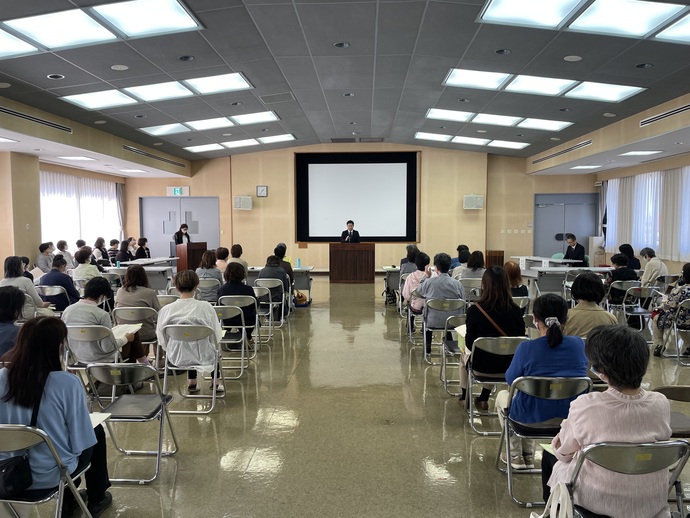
point(160, 91)
point(640, 153)
point(12, 46)
point(132, 170)
point(63, 29)
point(470, 140)
point(624, 17)
point(448, 115)
point(223, 83)
point(206, 124)
point(495, 120)
point(603, 92)
point(432, 136)
point(100, 100)
point(203, 148)
point(253, 118)
point(241, 143)
point(475, 79)
point(508, 144)
point(165, 129)
point(586, 167)
point(4, 140)
point(277, 138)
point(147, 17)
point(679, 31)
point(532, 13)
point(76, 158)
point(543, 124)
point(539, 85)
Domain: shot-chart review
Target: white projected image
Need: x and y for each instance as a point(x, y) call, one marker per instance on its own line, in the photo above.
point(373, 195)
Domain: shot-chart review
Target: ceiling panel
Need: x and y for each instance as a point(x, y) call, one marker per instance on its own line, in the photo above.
point(280, 27)
point(447, 30)
point(166, 50)
point(327, 23)
point(398, 27)
point(345, 72)
point(116, 53)
point(299, 72)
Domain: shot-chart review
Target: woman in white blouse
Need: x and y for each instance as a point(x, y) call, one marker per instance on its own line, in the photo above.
point(14, 276)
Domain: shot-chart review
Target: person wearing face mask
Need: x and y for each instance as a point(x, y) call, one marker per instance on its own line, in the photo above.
point(182, 236)
point(44, 261)
point(87, 312)
point(551, 355)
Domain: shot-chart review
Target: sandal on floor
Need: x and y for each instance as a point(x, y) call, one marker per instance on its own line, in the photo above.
point(192, 389)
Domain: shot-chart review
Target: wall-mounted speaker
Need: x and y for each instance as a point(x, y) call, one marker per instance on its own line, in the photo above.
point(242, 202)
point(473, 201)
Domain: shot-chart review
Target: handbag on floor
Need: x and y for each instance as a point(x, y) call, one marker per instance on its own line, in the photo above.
point(559, 505)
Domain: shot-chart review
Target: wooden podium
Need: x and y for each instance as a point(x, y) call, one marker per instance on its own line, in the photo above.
point(351, 262)
point(189, 255)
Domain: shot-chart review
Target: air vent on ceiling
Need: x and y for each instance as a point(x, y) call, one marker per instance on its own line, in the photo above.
point(151, 155)
point(371, 139)
point(31, 118)
point(582, 144)
point(277, 98)
point(662, 116)
point(347, 140)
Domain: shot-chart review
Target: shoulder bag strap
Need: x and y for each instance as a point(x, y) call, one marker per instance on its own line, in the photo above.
point(491, 320)
point(34, 414)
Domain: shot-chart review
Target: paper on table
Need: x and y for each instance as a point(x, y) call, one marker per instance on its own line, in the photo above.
point(98, 417)
point(461, 330)
point(121, 330)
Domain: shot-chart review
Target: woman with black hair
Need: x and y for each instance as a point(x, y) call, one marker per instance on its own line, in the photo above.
point(100, 252)
point(588, 290)
point(474, 268)
point(57, 277)
point(124, 255)
point(182, 236)
point(633, 262)
point(207, 270)
point(143, 252)
point(552, 355)
point(14, 276)
point(407, 264)
point(34, 377)
point(11, 305)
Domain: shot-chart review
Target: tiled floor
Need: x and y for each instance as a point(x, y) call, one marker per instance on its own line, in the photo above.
point(337, 417)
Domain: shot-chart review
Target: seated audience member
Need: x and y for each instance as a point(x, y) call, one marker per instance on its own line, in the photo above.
point(62, 249)
point(44, 261)
point(495, 303)
point(633, 262)
point(517, 289)
point(132, 246)
point(588, 291)
point(408, 264)
point(620, 272)
point(188, 310)
point(623, 413)
point(475, 266)
point(87, 312)
point(14, 269)
point(143, 251)
point(441, 286)
point(11, 306)
point(412, 282)
point(84, 271)
point(457, 261)
point(222, 255)
point(207, 270)
point(463, 257)
point(136, 293)
point(80, 243)
point(279, 251)
point(123, 254)
point(234, 275)
point(58, 277)
point(27, 273)
point(100, 252)
point(550, 355)
point(273, 270)
point(575, 251)
point(34, 375)
point(236, 253)
point(113, 250)
point(91, 260)
point(653, 268)
point(663, 319)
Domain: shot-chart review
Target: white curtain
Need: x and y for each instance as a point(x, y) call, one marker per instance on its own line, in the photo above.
point(78, 208)
point(646, 197)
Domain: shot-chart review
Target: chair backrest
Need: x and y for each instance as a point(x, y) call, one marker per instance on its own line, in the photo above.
point(472, 288)
point(529, 320)
point(675, 392)
point(403, 278)
point(187, 332)
point(113, 278)
point(17, 437)
point(551, 388)
point(663, 281)
point(167, 299)
point(455, 321)
point(521, 302)
point(643, 292)
point(456, 305)
point(120, 374)
point(261, 292)
point(225, 312)
point(241, 301)
point(500, 345)
point(209, 283)
point(269, 283)
point(571, 274)
point(52, 291)
point(133, 315)
point(30, 309)
point(683, 306)
point(624, 285)
point(558, 255)
point(88, 333)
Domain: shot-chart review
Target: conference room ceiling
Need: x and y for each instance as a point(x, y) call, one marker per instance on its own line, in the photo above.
point(380, 87)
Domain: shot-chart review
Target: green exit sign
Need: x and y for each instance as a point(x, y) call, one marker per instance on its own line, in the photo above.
point(177, 191)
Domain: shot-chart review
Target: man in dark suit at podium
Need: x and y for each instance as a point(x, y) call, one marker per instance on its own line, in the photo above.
point(350, 235)
point(575, 251)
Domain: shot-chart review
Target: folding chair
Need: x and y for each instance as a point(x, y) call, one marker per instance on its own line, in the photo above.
point(273, 284)
point(663, 281)
point(167, 299)
point(242, 301)
point(473, 289)
point(265, 311)
point(233, 338)
point(680, 422)
point(19, 437)
point(497, 346)
point(641, 302)
point(53, 291)
point(621, 287)
point(636, 459)
point(29, 311)
point(451, 349)
point(137, 315)
point(448, 307)
point(134, 408)
point(570, 276)
point(172, 290)
point(681, 333)
point(190, 334)
point(523, 303)
point(208, 286)
point(546, 388)
point(402, 309)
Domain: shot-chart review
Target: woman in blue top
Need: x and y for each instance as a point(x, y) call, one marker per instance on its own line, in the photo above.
point(35, 376)
point(552, 355)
